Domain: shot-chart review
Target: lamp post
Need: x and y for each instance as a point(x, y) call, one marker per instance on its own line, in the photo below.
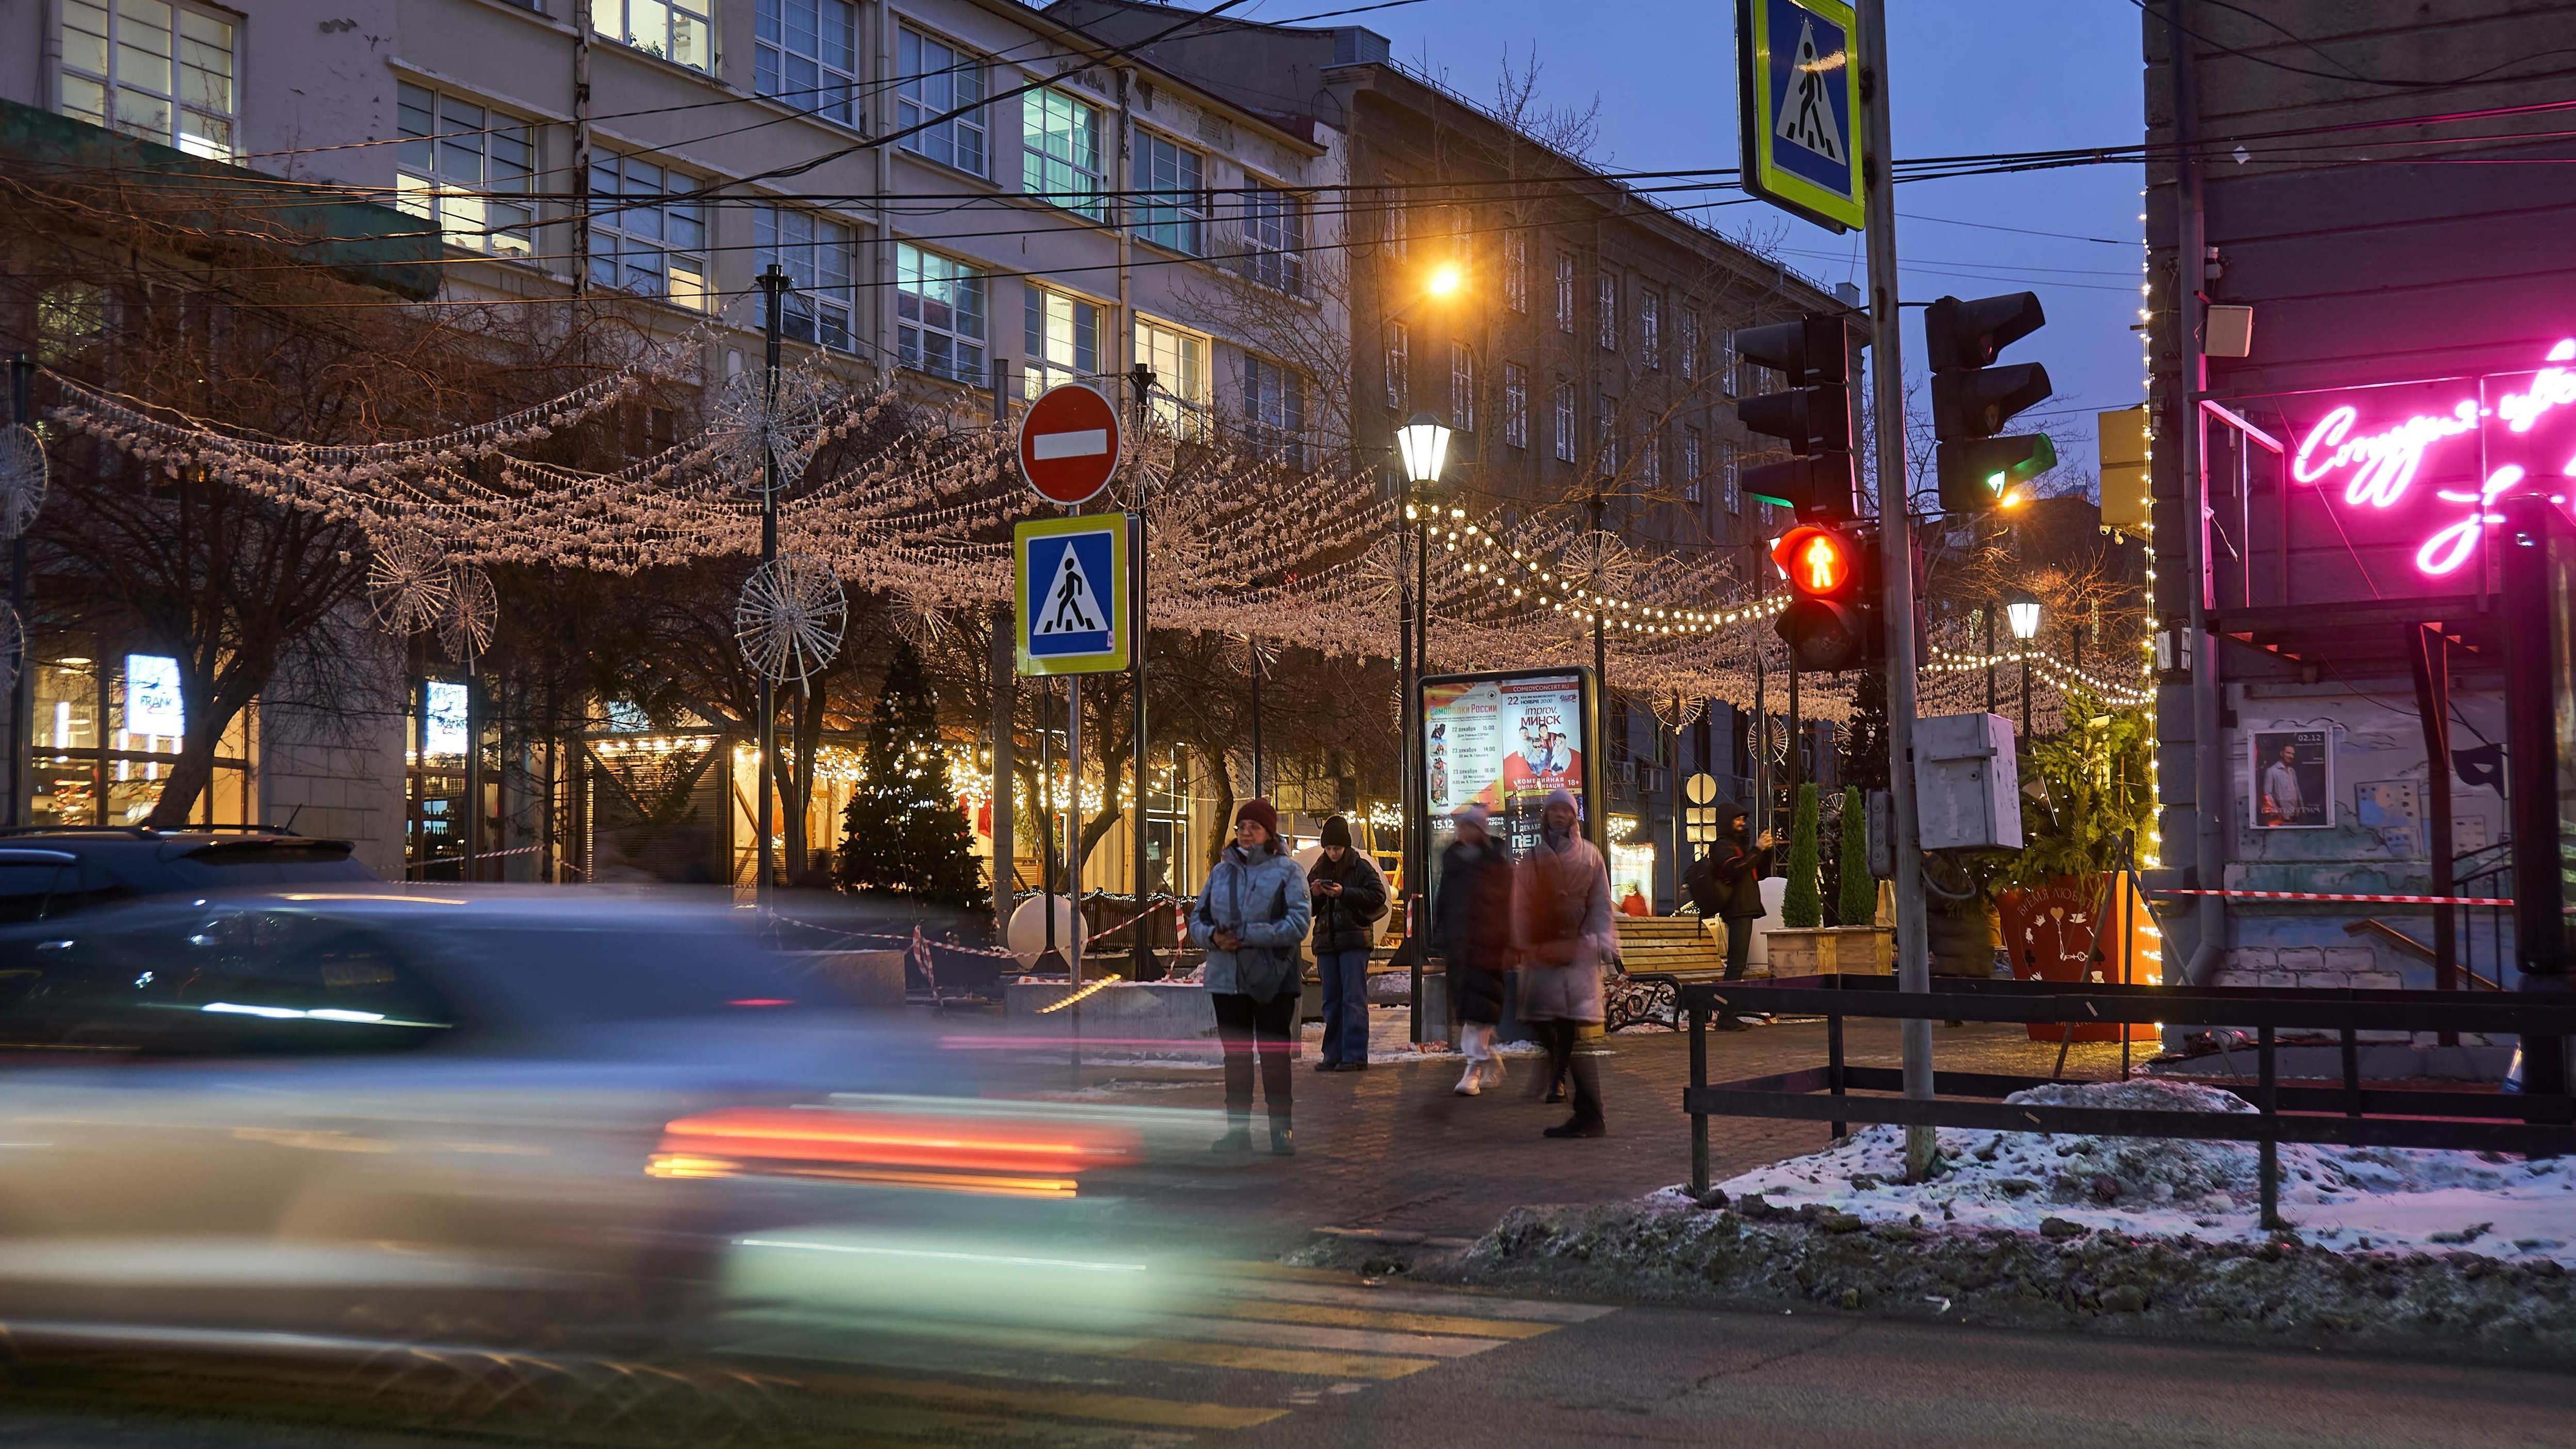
point(1423, 444)
point(2023, 611)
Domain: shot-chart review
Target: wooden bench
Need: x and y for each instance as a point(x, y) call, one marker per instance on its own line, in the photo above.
point(1661, 954)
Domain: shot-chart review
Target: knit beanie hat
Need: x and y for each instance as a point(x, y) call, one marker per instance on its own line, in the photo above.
point(1562, 796)
point(1337, 831)
point(1261, 810)
point(1471, 813)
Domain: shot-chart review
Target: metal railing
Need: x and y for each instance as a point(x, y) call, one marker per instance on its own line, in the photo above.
point(2350, 1114)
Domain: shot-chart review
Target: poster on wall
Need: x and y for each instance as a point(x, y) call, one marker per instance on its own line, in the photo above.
point(1503, 741)
point(2293, 785)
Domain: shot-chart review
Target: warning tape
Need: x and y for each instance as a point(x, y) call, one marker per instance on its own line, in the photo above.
point(2332, 896)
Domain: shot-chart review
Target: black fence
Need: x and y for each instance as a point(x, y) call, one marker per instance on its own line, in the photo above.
point(2350, 1114)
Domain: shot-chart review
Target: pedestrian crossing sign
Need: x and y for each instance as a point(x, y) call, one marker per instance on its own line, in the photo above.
point(1072, 594)
point(1798, 105)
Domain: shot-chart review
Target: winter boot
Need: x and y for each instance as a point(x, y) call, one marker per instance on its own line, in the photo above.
point(1238, 1135)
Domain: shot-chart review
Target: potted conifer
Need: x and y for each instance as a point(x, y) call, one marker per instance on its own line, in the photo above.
point(1859, 945)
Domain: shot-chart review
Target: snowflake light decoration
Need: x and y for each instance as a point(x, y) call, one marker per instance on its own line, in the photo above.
point(749, 426)
point(791, 616)
point(22, 479)
point(473, 609)
point(408, 584)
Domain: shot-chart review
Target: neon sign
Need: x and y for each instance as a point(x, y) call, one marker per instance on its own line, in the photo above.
point(2379, 467)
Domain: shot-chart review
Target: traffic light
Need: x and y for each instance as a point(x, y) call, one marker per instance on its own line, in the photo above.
point(1834, 618)
point(1814, 417)
point(1972, 400)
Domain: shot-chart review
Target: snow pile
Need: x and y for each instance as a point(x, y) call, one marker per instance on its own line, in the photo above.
point(2347, 1198)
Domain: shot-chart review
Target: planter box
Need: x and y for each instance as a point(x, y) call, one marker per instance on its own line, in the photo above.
point(2049, 935)
point(1832, 951)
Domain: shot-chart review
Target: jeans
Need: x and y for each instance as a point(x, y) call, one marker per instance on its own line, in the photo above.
point(1345, 977)
point(1249, 1029)
point(1564, 1061)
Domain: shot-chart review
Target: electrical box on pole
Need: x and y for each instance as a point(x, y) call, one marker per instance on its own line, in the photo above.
point(1972, 400)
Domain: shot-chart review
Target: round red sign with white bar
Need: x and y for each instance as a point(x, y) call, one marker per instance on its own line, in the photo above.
point(1069, 443)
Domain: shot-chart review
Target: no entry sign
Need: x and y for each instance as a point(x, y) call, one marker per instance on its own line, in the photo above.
point(1069, 443)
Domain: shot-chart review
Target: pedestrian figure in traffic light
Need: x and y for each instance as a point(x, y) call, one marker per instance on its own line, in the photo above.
point(1566, 929)
point(1726, 885)
point(1349, 896)
point(1251, 913)
point(1471, 929)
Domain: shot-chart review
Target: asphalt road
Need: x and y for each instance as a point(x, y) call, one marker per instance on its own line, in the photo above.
point(1292, 1359)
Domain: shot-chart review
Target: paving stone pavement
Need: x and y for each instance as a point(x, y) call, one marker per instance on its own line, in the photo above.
point(1392, 1150)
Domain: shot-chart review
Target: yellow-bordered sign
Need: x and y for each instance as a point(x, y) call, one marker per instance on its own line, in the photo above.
point(1071, 585)
point(1798, 98)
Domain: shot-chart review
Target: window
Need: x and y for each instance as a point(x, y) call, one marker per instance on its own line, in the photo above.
point(1650, 459)
point(1727, 380)
point(1515, 405)
point(1061, 159)
point(1729, 484)
point(1650, 330)
point(1565, 291)
point(1399, 364)
point(450, 147)
point(1605, 421)
point(1516, 271)
point(815, 254)
point(1182, 389)
point(1565, 422)
point(939, 314)
point(1462, 387)
point(1691, 464)
point(152, 69)
point(1274, 411)
point(84, 774)
point(657, 248)
point(1394, 218)
point(1172, 212)
point(1274, 239)
point(675, 30)
point(805, 53)
point(939, 78)
point(1606, 305)
point(1690, 345)
point(1061, 336)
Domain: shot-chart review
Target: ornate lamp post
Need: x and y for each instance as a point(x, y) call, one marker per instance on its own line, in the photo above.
point(1423, 444)
point(2023, 612)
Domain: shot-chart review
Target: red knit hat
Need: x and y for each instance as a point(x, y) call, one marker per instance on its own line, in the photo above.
point(1262, 811)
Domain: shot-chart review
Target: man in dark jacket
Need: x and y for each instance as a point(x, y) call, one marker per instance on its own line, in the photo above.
point(1349, 896)
point(1727, 886)
point(1471, 929)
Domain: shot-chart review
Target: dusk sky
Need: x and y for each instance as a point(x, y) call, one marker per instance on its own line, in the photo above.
point(1970, 76)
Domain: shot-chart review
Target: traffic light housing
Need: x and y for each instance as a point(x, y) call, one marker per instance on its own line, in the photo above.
point(1835, 619)
point(1814, 417)
point(1972, 399)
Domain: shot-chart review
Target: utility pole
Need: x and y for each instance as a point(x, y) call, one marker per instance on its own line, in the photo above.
point(22, 693)
point(1597, 819)
point(1896, 544)
point(1142, 376)
point(773, 292)
point(1004, 668)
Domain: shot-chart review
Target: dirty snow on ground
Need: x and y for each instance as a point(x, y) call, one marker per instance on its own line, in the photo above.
point(2348, 1198)
point(1391, 1038)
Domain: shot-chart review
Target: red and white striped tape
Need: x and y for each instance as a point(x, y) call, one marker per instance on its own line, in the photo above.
point(2333, 896)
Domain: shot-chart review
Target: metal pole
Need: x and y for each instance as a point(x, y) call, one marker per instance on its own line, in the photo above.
point(1143, 378)
point(22, 693)
point(473, 772)
point(2209, 756)
point(1073, 813)
point(1990, 657)
point(1417, 789)
point(1048, 845)
point(1896, 544)
point(2025, 695)
point(1005, 836)
point(1597, 818)
point(773, 289)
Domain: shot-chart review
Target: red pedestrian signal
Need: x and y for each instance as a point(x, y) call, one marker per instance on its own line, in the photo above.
point(1816, 561)
point(1832, 622)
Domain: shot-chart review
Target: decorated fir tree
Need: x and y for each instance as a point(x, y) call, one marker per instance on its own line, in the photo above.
point(1857, 902)
point(903, 831)
point(1802, 905)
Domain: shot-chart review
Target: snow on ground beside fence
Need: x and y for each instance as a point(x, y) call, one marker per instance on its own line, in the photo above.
point(2347, 1198)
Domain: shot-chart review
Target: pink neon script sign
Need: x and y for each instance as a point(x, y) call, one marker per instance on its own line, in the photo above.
point(2382, 465)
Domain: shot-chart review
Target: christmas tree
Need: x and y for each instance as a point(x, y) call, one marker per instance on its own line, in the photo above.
point(1857, 903)
point(903, 831)
point(1802, 905)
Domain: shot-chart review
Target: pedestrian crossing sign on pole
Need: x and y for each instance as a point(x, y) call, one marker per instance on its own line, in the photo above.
point(1798, 103)
point(1071, 588)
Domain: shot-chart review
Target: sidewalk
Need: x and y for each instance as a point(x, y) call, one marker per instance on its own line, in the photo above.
point(1391, 1149)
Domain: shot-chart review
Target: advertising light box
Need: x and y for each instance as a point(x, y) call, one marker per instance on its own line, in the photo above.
point(1504, 741)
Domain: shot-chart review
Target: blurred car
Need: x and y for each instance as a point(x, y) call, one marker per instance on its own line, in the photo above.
point(503, 1118)
point(48, 871)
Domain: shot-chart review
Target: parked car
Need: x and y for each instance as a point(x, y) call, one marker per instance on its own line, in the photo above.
point(502, 1117)
point(48, 871)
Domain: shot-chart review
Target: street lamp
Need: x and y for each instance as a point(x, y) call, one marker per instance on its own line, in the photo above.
point(2024, 614)
point(1423, 444)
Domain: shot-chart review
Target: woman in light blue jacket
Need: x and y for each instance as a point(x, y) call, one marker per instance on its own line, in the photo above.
point(1250, 916)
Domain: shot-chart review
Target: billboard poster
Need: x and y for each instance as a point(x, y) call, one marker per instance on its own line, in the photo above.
point(2293, 779)
point(1503, 741)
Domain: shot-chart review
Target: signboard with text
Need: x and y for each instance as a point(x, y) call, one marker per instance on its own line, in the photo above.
point(1505, 741)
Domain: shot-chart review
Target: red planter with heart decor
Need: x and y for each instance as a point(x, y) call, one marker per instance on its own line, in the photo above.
point(2050, 930)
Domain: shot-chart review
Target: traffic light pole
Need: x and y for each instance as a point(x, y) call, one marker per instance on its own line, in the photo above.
point(1895, 541)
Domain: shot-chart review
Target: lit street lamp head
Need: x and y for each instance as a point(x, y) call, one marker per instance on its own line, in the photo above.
point(1424, 442)
point(1445, 280)
point(2024, 615)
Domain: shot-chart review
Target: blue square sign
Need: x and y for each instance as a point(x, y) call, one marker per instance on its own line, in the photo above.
point(1072, 594)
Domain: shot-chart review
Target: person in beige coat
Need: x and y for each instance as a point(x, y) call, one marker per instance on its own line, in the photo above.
point(1566, 927)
